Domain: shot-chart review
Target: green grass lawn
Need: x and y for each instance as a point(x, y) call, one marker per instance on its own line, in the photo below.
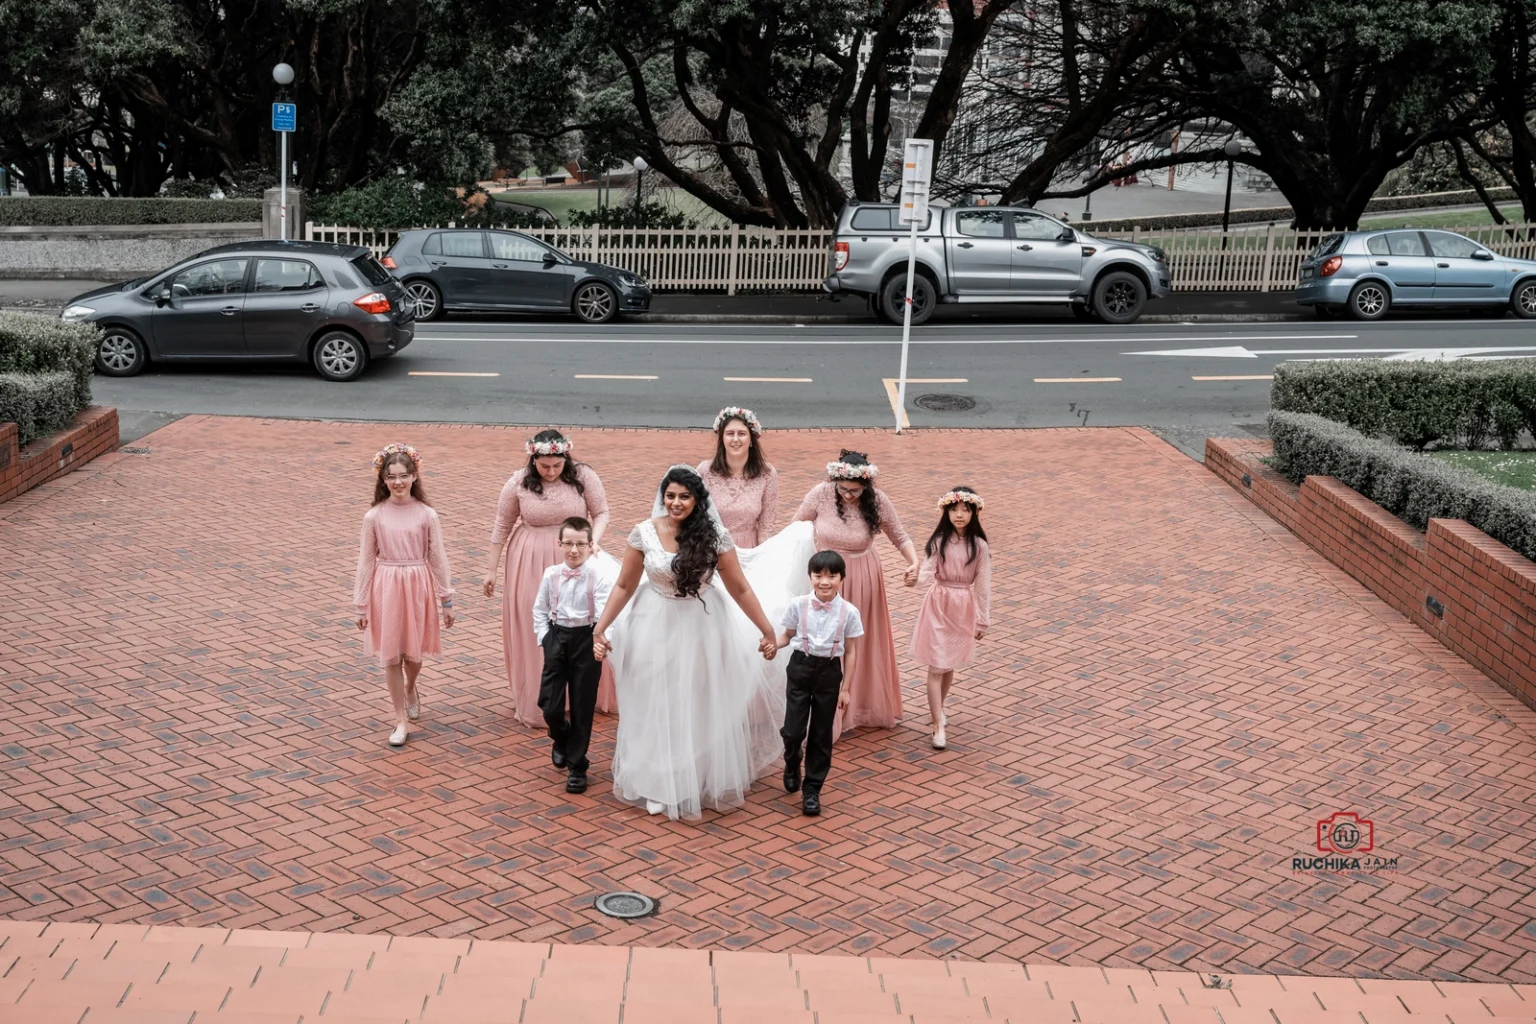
point(1514, 469)
point(1446, 219)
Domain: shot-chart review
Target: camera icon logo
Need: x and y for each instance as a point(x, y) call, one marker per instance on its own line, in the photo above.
point(1345, 833)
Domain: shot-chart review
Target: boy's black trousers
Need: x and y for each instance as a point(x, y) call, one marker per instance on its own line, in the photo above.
point(812, 688)
point(570, 675)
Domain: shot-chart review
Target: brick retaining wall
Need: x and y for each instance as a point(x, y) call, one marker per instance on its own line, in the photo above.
point(93, 433)
point(1473, 594)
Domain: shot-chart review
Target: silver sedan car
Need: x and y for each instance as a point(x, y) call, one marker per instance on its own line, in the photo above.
point(1366, 273)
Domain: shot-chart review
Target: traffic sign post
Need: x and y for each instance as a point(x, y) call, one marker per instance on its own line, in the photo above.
point(285, 118)
point(916, 180)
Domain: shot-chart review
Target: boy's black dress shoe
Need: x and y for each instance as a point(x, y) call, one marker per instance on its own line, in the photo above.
point(810, 804)
point(557, 756)
point(791, 777)
point(576, 782)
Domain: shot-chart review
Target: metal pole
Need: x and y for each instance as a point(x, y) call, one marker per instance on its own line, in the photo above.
point(906, 327)
point(282, 177)
point(639, 184)
point(1226, 212)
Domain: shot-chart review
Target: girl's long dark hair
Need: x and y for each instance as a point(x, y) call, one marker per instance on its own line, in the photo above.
point(698, 550)
point(535, 483)
point(946, 532)
point(869, 505)
point(755, 464)
point(381, 489)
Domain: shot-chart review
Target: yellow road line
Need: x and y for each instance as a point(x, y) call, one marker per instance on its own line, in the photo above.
point(892, 391)
point(615, 376)
point(1254, 376)
point(769, 380)
point(446, 373)
point(1077, 380)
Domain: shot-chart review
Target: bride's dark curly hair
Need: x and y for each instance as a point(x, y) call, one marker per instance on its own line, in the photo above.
point(698, 550)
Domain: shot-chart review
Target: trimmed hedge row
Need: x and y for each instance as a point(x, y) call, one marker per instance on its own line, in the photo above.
point(1409, 485)
point(1462, 403)
point(45, 371)
point(87, 211)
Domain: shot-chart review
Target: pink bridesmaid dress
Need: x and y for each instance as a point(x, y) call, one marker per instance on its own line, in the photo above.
point(874, 690)
point(533, 522)
point(957, 605)
point(402, 579)
point(748, 507)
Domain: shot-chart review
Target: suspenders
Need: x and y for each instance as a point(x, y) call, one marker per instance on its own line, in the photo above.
point(554, 598)
point(837, 634)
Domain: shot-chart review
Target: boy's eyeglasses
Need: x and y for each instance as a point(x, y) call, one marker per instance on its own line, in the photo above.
point(575, 544)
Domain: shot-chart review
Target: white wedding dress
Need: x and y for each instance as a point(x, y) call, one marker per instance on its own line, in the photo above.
point(699, 707)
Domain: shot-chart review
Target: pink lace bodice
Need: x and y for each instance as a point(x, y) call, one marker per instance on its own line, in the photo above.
point(401, 532)
point(952, 571)
point(559, 502)
point(849, 533)
point(748, 507)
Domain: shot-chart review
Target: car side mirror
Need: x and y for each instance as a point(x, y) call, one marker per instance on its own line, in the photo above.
point(1067, 235)
point(549, 260)
point(1482, 254)
point(162, 295)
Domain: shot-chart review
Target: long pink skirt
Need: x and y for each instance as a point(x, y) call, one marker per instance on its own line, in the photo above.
point(533, 549)
point(944, 637)
point(874, 690)
point(402, 613)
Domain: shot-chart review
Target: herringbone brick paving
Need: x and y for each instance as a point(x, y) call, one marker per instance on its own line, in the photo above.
point(1174, 692)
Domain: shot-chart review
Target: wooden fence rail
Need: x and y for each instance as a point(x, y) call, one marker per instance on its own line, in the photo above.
point(1260, 257)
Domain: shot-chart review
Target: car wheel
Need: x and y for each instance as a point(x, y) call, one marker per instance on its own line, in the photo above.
point(1084, 312)
point(1523, 301)
point(426, 301)
point(340, 356)
point(893, 299)
point(1119, 297)
point(120, 353)
point(1369, 301)
point(595, 303)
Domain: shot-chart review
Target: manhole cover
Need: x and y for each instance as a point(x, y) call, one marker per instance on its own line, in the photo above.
point(626, 905)
point(944, 403)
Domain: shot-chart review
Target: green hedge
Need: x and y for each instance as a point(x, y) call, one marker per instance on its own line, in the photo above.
point(1462, 403)
point(1410, 485)
point(78, 211)
point(36, 353)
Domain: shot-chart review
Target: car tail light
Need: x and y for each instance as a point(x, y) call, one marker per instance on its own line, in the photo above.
point(840, 259)
point(373, 302)
point(1330, 266)
point(389, 262)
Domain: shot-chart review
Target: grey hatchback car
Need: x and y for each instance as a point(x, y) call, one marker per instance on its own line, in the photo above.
point(1367, 273)
point(332, 306)
point(469, 270)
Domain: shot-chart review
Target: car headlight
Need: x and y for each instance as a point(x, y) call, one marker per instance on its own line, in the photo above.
point(74, 313)
point(1158, 254)
point(633, 280)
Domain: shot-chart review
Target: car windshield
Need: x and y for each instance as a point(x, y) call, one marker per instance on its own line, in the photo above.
point(371, 270)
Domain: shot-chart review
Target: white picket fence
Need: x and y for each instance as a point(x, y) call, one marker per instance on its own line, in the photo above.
point(1263, 257)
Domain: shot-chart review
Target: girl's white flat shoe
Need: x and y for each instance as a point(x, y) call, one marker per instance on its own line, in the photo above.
point(939, 739)
point(413, 704)
point(652, 807)
point(397, 738)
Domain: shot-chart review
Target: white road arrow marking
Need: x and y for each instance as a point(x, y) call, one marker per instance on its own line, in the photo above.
point(1230, 352)
point(1393, 354)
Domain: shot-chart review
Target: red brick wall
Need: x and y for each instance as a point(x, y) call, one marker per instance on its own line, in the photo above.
point(93, 433)
point(1485, 592)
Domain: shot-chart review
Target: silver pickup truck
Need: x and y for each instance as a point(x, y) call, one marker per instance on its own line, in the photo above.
point(991, 254)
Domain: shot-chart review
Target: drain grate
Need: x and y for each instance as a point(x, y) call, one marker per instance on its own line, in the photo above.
point(945, 403)
point(134, 451)
point(625, 905)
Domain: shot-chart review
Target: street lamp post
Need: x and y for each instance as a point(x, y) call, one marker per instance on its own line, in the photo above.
point(640, 166)
point(282, 74)
point(1233, 149)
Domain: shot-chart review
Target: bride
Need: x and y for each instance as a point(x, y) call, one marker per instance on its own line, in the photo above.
point(699, 715)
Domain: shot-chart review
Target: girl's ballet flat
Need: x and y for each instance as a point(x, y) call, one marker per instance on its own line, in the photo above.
point(397, 738)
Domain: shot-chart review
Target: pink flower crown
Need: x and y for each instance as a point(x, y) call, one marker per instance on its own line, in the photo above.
point(736, 412)
point(396, 449)
point(847, 471)
point(971, 498)
point(558, 447)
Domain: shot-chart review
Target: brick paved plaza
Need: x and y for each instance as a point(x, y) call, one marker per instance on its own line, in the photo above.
point(1174, 693)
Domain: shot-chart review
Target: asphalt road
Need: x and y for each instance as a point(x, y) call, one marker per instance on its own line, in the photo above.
point(1186, 380)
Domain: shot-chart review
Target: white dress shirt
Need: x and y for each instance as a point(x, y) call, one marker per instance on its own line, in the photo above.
point(563, 597)
point(819, 634)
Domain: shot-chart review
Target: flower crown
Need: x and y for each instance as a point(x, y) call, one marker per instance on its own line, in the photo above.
point(559, 446)
point(971, 498)
point(396, 449)
point(843, 470)
point(736, 412)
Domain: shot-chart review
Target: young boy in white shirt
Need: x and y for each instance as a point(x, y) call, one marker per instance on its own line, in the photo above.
point(823, 629)
point(570, 599)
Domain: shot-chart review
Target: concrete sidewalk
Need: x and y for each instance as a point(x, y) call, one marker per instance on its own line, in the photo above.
point(1174, 693)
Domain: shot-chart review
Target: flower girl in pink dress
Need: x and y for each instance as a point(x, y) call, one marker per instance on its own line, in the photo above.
point(402, 578)
point(957, 608)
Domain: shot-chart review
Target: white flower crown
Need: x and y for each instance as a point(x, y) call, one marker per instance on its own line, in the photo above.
point(847, 471)
point(736, 412)
point(559, 447)
point(955, 497)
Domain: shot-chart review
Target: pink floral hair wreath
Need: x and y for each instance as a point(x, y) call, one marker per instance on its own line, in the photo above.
point(396, 449)
point(971, 498)
point(848, 471)
point(736, 412)
point(537, 449)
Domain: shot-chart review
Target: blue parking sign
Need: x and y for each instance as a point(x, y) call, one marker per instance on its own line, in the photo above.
point(285, 117)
